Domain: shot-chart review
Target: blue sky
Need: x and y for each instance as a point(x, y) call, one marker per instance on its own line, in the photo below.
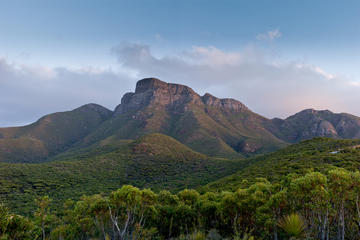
point(105, 45)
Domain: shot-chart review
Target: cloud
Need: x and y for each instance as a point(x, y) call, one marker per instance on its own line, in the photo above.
point(265, 83)
point(29, 92)
point(269, 35)
point(158, 37)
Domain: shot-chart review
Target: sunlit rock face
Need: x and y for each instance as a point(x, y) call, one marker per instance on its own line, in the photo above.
point(156, 92)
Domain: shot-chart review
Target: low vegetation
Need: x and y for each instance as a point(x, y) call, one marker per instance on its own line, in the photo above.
point(318, 154)
point(309, 190)
point(154, 160)
point(313, 206)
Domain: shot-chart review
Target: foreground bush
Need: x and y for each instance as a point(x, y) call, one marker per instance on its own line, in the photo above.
point(314, 206)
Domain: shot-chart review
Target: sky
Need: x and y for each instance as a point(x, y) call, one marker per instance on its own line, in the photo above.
point(277, 57)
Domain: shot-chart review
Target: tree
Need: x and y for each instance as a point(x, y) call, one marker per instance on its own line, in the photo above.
point(208, 208)
point(4, 219)
point(129, 208)
point(356, 190)
point(20, 227)
point(43, 216)
point(340, 187)
point(166, 214)
point(100, 212)
point(311, 197)
point(270, 213)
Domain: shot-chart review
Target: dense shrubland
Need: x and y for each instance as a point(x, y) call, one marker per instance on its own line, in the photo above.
point(154, 160)
point(311, 206)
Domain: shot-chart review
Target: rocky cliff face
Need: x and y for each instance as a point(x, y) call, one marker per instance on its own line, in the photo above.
point(216, 126)
point(152, 91)
point(226, 103)
point(311, 123)
point(207, 124)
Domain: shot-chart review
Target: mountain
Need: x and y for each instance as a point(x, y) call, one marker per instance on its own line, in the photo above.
point(166, 136)
point(310, 123)
point(51, 134)
point(213, 126)
point(153, 160)
point(209, 125)
point(318, 154)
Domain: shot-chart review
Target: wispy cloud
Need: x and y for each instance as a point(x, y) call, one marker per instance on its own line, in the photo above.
point(158, 37)
point(269, 35)
point(266, 84)
point(29, 92)
point(250, 75)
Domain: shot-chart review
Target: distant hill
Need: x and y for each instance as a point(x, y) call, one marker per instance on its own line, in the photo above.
point(206, 124)
point(50, 135)
point(154, 161)
point(318, 154)
point(310, 123)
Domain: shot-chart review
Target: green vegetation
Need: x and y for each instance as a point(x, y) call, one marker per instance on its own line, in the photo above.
point(155, 161)
point(209, 130)
point(215, 127)
point(312, 206)
point(309, 190)
point(50, 135)
point(79, 174)
point(318, 154)
point(293, 225)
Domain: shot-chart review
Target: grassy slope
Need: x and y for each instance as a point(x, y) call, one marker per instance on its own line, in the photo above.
point(155, 161)
point(209, 130)
point(50, 135)
point(299, 158)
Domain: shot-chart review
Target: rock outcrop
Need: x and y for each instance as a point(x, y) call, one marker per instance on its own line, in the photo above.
point(206, 124)
point(311, 123)
point(156, 92)
point(226, 103)
point(152, 91)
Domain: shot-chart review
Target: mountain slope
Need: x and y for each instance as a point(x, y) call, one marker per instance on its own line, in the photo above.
point(206, 124)
point(217, 127)
point(155, 161)
point(50, 135)
point(311, 123)
point(318, 154)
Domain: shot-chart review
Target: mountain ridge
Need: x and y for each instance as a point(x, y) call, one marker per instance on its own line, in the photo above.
point(207, 124)
point(51, 134)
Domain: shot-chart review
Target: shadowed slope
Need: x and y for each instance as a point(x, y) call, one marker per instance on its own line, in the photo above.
point(217, 127)
point(155, 161)
point(311, 123)
point(206, 124)
point(50, 135)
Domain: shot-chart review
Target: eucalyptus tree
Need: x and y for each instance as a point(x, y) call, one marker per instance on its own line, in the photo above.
point(43, 216)
point(340, 187)
point(129, 208)
point(309, 196)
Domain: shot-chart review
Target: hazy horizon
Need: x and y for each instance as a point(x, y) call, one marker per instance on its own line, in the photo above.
point(277, 57)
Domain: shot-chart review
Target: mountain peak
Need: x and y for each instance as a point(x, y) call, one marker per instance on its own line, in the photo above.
point(152, 91)
point(314, 111)
point(149, 83)
point(93, 107)
point(227, 103)
point(155, 84)
point(160, 93)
